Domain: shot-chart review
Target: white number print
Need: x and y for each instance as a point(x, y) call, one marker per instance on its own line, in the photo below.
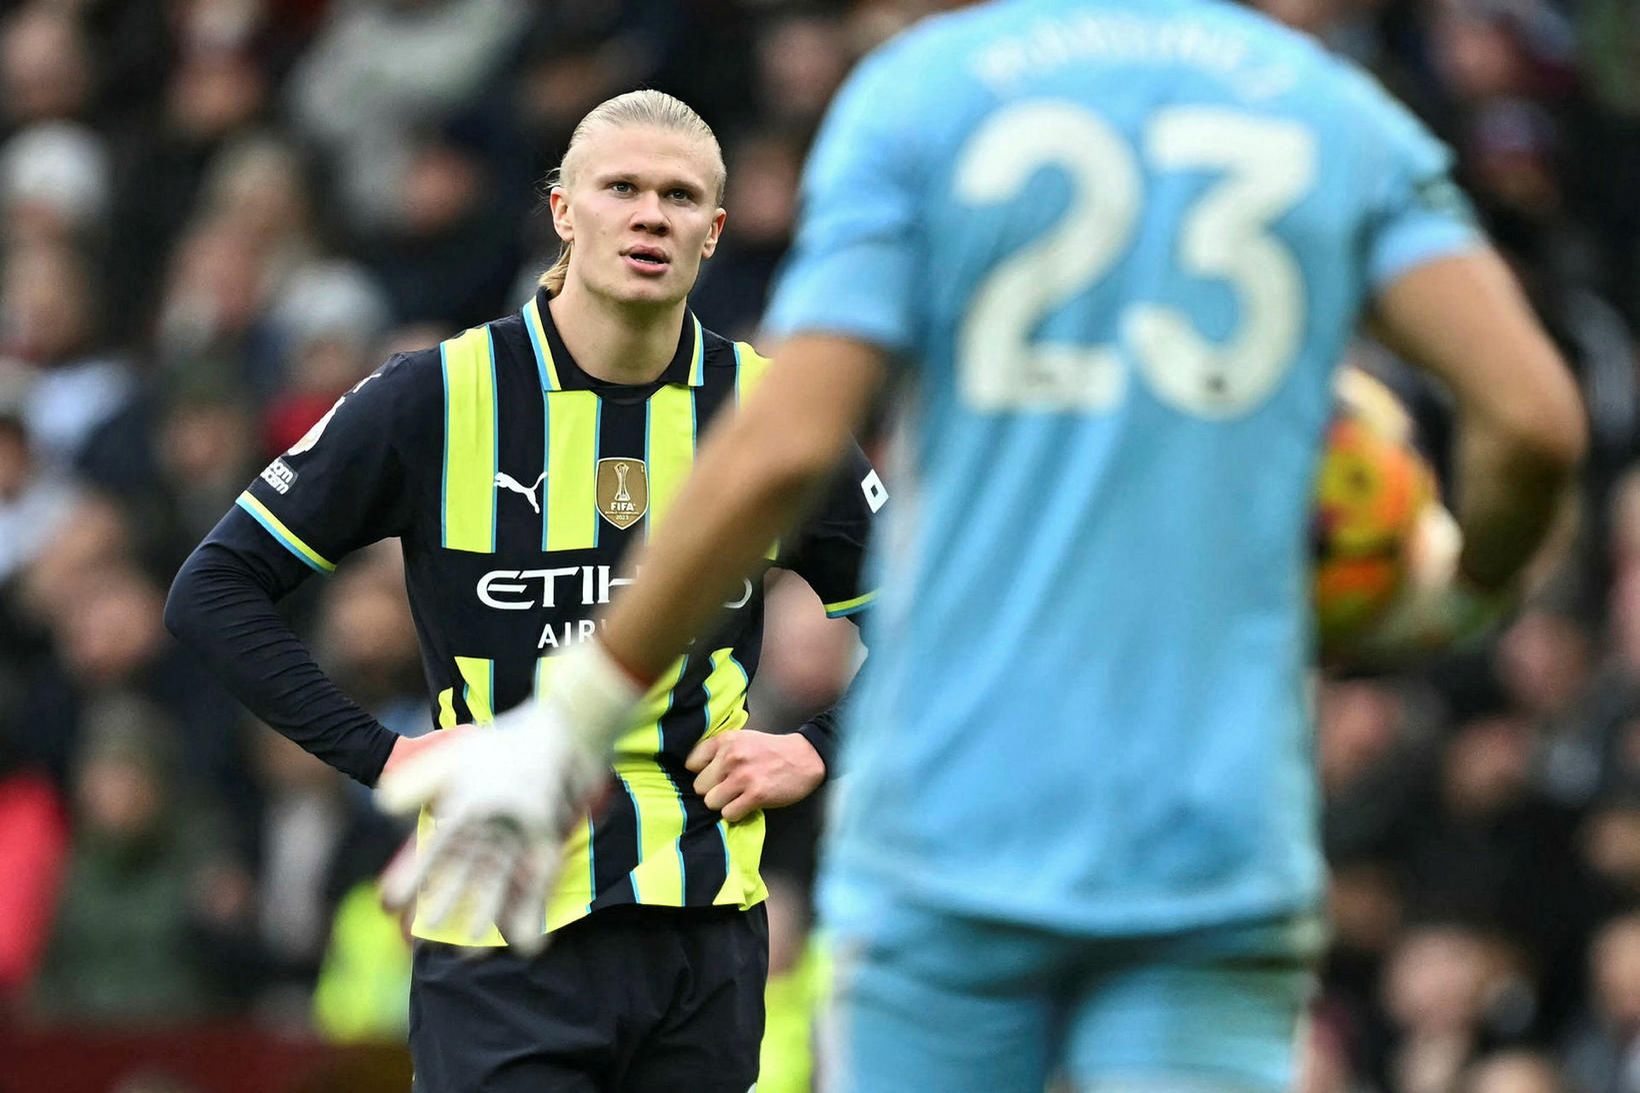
point(1003, 367)
point(1266, 166)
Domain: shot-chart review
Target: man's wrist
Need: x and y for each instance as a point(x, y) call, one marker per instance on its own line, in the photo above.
point(820, 741)
point(595, 695)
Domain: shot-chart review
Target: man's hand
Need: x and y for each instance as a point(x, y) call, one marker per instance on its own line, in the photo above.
point(741, 772)
point(504, 799)
point(406, 748)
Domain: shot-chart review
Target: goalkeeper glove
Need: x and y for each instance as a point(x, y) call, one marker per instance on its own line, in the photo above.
point(504, 800)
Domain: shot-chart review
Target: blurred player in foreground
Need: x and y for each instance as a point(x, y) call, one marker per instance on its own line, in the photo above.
point(517, 463)
point(1110, 252)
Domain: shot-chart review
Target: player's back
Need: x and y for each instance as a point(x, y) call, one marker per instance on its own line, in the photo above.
point(1142, 234)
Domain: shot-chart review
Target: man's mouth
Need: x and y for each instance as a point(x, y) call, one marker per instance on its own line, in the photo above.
point(648, 258)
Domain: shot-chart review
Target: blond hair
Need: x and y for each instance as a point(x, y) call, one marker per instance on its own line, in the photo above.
point(654, 109)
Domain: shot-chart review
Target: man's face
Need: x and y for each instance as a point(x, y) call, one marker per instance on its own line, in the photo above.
point(642, 213)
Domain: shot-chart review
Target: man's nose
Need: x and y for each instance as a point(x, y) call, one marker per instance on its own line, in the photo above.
point(649, 216)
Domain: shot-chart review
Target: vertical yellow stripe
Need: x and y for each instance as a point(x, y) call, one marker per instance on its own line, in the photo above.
point(469, 442)
point(744, 886)
point(573, 896)
point(572, 470)
point(659, 875)
point(671, 447)
point(743, 841)
point(446, 708)
point(479, 675)
point(643, 740)
point(544, 363)
point(697, 363)
point(726, 691)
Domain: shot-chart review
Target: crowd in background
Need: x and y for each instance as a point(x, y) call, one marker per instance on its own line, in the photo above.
point(217, 215)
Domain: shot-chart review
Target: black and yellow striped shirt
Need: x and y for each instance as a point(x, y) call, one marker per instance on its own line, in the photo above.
point(515, 482)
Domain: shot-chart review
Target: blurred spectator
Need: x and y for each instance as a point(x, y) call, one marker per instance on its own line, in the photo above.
point(382, 68)
point(1514, 1072)
point(45, 66)
point(206, 455)
point(48, 322)
point(1487, 846)
point(366, 973)
point(800, 61)
point(105, 622)
point(1450, 992)
point(1604, 1057)
point(144, 881)
point(366, 641)
point(326, 321)
point(762, 202)
point(55, 185)
point(1370, 750)
point(582, 53)
point(216, 294)
point(320, 838)
point(214, 90)
point(33, 850)
point(451, 253)
point(35, 500)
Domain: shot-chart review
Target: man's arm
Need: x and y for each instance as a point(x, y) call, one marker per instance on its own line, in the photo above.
point(1521, 428)
point(222, 606)
point(756, 476)
point(339, 488)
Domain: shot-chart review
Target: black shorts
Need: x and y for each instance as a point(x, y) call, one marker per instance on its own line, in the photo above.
point(626, 1000)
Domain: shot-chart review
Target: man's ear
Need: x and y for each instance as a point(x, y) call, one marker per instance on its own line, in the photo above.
point(562, 221)
point(713, 235)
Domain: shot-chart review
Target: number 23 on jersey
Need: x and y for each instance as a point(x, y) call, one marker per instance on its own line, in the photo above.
point(1262, 168)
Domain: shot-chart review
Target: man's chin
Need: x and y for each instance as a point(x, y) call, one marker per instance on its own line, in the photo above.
point(635, 291)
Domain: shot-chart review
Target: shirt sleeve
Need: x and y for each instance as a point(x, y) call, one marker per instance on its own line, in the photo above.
point(829, 550)
point(850, 271)
point(343, 485)
point(222, 607)
point(821, 733)
point(1418, 213)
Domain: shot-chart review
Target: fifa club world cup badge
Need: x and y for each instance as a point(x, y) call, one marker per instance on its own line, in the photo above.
point(623, 491)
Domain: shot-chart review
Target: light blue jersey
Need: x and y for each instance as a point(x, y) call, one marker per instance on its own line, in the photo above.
point(1119, 248)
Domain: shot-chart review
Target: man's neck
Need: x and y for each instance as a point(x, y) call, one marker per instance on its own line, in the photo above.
point(616, 344)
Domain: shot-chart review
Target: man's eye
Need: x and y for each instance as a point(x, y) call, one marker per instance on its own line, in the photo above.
point(681, 195)
point(621, 187)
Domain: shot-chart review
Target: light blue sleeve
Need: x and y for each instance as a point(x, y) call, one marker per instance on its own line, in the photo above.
point(850, 270)
point(1417, 213)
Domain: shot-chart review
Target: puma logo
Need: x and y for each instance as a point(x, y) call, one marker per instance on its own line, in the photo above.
point(508, 482)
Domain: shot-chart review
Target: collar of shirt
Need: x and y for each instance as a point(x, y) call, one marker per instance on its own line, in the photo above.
point(558, 369)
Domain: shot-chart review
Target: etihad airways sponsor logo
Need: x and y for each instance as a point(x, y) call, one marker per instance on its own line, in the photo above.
point(562, 586)
point(570, 586)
